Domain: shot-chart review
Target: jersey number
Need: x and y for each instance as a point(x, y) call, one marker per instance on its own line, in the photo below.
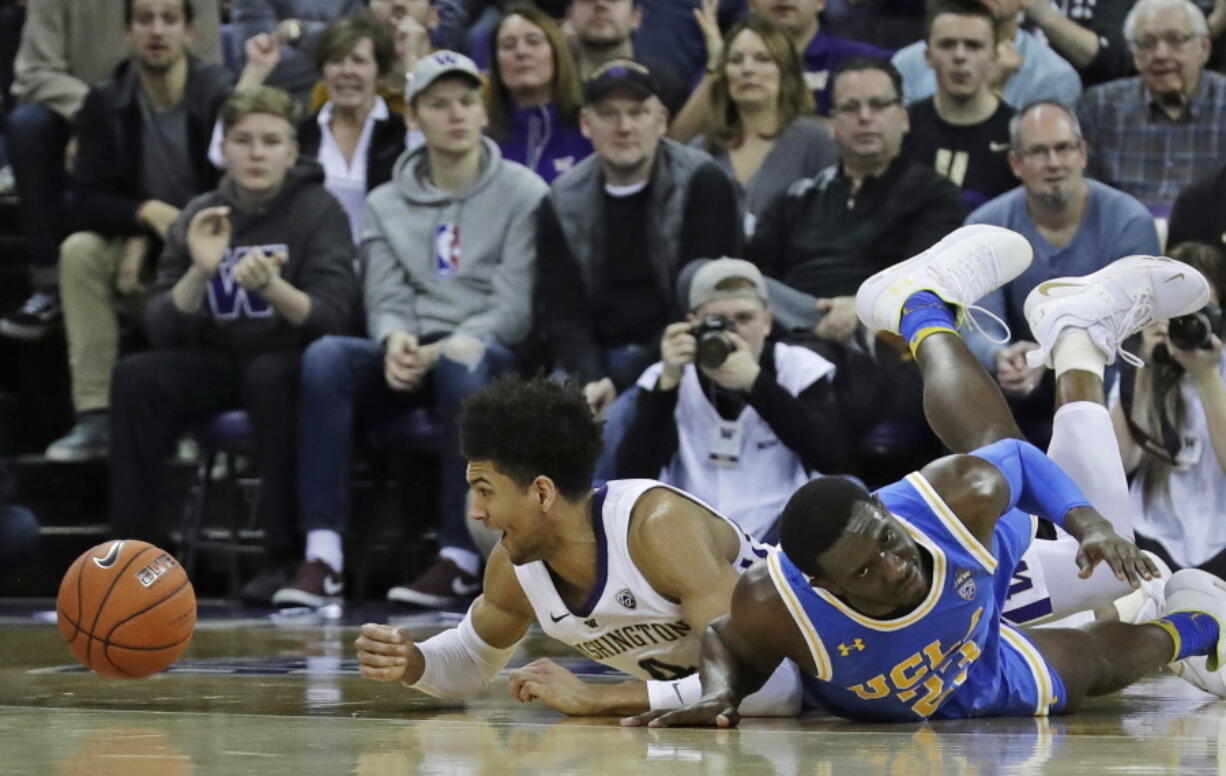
point(664, 672)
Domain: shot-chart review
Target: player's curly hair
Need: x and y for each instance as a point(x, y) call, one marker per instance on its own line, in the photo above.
point(530, 427)
point(815, 517)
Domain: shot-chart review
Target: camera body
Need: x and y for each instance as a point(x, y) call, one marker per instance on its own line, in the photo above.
point(713, 344)
point(1191, 331)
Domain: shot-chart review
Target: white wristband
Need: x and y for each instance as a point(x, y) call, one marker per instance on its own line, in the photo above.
point(674, 694)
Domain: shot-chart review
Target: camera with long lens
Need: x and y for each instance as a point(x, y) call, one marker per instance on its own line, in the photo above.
point(713, 343)
point(1191, 332)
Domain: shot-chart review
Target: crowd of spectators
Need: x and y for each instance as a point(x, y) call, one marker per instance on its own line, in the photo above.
point(330, 213)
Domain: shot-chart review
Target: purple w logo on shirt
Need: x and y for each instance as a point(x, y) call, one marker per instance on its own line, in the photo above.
point(227, 299)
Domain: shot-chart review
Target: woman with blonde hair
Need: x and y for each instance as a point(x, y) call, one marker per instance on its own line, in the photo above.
point(760, 126)
point(533, 94)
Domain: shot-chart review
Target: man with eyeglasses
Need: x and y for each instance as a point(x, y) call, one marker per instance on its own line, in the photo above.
point(829, 233)
point(1076, 226)
point(1155, 133)
point(616, 229)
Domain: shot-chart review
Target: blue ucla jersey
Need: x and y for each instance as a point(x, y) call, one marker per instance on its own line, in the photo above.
point(950, 657)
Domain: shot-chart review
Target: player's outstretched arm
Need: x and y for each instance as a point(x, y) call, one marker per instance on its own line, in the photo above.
point(740, 650)
point(459, 661)
point(546, 681)
point(984, 485)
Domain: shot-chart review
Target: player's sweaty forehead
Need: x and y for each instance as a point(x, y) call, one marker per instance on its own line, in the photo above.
point(869, 520)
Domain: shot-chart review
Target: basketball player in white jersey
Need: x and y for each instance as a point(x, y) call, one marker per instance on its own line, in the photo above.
point(629, 574)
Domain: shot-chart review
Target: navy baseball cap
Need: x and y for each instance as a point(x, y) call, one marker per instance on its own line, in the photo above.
point(620, 74)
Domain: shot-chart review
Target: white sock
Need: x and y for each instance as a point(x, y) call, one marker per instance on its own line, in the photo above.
point(468, 561)
point(1075, 350)
point(323, 544)
point(1083, 444)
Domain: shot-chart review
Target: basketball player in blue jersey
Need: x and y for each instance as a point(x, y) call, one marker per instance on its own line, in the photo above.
point(892, 601)
point(629, 574)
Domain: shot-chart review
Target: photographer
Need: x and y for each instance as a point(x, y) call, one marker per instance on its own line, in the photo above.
point(1170, 420)
point(730, 415)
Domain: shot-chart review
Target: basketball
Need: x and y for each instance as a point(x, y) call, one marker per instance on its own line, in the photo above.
point(126, 609)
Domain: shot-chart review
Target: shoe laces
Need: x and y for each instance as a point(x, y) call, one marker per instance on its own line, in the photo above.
point(1137, 315)
point(965, 277)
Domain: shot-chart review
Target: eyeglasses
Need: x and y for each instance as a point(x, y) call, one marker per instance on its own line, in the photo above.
point(1039, 153)
point(875, 105)
point(1173, 40)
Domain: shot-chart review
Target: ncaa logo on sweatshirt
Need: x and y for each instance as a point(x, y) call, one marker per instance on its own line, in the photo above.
point(227, 299)
point(446, 250)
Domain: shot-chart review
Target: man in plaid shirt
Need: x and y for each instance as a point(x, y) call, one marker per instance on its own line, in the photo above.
point(1153, 134)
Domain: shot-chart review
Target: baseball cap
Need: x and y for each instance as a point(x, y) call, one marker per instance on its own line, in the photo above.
point(704, 286)
point(434, 66)
point(620, 74)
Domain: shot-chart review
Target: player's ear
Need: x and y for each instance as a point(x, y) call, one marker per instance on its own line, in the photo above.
point(544, 492)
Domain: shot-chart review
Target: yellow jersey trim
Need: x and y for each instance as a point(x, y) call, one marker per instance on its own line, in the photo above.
point(955, 526)
point(821, 659)
point(1044, 684)
point(939, 564)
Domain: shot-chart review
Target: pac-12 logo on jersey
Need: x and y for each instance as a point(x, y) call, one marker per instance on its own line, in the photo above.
point(964, 583)
point(227, 299)
point(626, 598)
point(446, 250)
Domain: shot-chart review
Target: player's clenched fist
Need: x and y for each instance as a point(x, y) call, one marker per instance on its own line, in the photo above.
point(387, 654)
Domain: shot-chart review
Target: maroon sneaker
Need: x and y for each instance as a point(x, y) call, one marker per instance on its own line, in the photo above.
point(441, 586)
point(315, 585)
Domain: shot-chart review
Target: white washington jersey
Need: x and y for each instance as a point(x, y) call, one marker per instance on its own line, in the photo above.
point(624, 623)
point(739, 464)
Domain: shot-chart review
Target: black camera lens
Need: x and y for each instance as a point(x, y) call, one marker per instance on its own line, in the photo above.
point(1192, 331)
point(713, 350)
point(713, 346)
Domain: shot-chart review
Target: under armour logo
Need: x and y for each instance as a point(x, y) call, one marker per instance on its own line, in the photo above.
point(856, 644)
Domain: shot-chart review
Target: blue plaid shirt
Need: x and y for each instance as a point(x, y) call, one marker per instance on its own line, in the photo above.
point(1136, 147)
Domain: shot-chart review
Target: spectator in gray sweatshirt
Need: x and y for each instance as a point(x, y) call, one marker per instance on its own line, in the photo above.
point(449, 252)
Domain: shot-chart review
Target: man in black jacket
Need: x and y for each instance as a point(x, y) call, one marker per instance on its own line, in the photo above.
point(828, 234)
point(616, 229)
point(143, 143)
point(734, 417)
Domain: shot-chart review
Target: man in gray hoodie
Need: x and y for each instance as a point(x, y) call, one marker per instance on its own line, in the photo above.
point(251, 273)
point(449, 252)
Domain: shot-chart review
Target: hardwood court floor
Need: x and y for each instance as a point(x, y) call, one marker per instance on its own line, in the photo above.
point(257, 696)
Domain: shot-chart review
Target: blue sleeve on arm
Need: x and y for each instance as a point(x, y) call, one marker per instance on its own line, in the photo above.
point(1036, 484)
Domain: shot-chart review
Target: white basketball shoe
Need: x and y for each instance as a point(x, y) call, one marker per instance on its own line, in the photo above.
point(1193, 590)
point(1112, 304)
point(960, 269)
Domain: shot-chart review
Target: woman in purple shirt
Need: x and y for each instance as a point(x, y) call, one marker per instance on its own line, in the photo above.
point(534, 94)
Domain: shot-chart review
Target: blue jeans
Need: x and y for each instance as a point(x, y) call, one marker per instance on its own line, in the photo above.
point(343, 382)
point(624, 365)
point(37, 138)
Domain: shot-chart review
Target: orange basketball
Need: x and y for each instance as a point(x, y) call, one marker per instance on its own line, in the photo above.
point(126, 609)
